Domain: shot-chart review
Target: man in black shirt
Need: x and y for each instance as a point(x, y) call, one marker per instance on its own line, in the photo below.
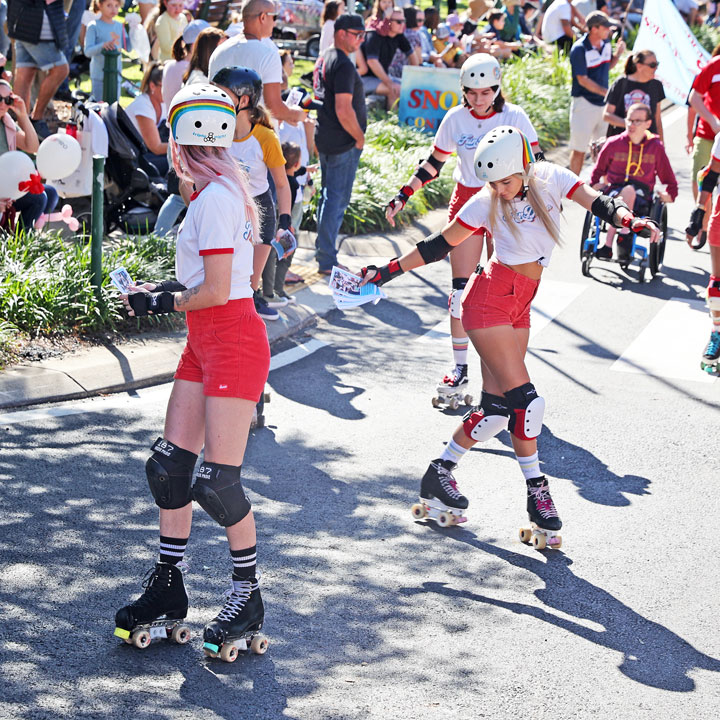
point(379, 51)
point(339, 134)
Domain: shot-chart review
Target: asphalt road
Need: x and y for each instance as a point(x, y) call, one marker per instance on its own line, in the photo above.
point(370, 614)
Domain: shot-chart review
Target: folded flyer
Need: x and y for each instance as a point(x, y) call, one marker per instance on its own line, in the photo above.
point(347, 291)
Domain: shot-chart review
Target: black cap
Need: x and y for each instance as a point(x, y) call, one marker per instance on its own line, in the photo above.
point(349, 21)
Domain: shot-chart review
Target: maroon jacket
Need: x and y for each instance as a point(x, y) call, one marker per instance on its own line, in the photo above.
point(612, 163)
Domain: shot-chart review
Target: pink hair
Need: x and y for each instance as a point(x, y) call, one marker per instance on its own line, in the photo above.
point(198, 164)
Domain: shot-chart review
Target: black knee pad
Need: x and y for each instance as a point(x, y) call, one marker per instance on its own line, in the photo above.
point(220, 493)
point(169, 472)
point(526, 411)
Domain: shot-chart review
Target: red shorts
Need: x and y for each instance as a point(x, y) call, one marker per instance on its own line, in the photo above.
point(227, 350)
point(499, 296)
point(461, 194)
point(713, 231)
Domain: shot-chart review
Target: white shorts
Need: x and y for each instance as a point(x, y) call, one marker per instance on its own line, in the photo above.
point(586, 123)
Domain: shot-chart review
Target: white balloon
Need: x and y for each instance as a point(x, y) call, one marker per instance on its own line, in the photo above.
point(58, 156)
point(15, 167)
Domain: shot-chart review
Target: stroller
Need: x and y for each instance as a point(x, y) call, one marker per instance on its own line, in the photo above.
point(133, 191)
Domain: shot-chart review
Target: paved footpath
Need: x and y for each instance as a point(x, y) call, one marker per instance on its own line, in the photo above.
point(369, 613)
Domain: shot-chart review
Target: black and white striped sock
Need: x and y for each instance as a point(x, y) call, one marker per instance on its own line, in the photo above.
point(244, 563)
point(172, 550)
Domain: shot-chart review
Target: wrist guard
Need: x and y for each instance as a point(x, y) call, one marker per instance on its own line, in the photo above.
point(606, 209)
point(158, 303)
point(284, 221)
point(696, 221)
point(433, 248)
point(406, 192)
point(709, 181)
point(385, 273)
point(169, 286)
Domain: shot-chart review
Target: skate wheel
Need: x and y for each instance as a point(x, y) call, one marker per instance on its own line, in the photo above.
point(180, 634)
point(418, 511)
point(260, 421)
point(525, 535)
point(266, 397)
point(469, 400)
point(436, 402)
point(539, 541)
point(228, 653)
point(454, 404)
point(444, 519)
point(141, 639)
point(259, 644)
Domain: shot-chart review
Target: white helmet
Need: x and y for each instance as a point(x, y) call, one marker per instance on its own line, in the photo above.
point(504, 151)
point(480, 71)
point(202, 115)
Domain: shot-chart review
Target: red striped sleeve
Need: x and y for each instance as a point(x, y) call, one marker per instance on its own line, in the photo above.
point(573, 189)
point(218, 251)
point(465, 225)
point(447, 152)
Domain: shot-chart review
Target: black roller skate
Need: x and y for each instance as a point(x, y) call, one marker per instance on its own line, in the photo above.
point(709, 362)
point(453, 388)
point(158, 612)
point(440, 499)
point(544, 519)
point(237, 625)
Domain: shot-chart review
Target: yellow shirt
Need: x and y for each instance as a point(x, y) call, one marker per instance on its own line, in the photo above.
point(168, 30)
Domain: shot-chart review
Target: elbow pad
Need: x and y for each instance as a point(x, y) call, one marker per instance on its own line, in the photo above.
point(709, 181)
point(433, 248)
point(437, 164)
point(423, 175)
point(606, 208)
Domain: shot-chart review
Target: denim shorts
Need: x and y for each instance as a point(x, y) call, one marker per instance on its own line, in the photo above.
point(44, 56)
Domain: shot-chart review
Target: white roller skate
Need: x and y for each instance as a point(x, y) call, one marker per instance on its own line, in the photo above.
point(440, 499)
point(452, 391)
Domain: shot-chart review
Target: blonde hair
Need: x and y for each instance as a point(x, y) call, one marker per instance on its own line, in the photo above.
point(534, 198)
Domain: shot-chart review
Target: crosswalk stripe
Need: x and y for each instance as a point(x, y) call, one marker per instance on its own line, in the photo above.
point(671, 343)
point(552, 298)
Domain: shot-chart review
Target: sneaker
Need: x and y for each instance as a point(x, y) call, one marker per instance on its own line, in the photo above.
point(604, 253)
point(275, 301)
point(41, 128)
point(291, 299)
point(262, 308)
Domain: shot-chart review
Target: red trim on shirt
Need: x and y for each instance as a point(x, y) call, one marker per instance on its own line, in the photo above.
point(482, 117)
point(447, 152)
point(712, 157)
point(465, 225)
point(573, 189)
point(218, 251)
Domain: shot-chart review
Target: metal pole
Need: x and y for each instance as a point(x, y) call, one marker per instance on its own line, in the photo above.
point(97, 225)
point(110, 76)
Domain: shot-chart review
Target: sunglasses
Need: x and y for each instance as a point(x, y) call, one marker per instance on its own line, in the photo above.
point(356, 33)
point(7, 100)
point(399, 22)
point(652, 65)
point(637, 121)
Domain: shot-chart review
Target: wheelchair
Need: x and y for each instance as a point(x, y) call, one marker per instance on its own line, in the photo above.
point(647, 258)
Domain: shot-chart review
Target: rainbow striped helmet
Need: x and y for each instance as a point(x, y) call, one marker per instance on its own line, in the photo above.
point(504, 151)
point(202, 115)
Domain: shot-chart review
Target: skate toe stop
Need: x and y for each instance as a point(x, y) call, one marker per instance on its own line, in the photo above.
point(122, 633)
point(211, 647)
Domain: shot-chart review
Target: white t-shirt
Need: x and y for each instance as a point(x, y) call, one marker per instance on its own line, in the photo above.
point(215, 223)
point(585, 7)
point(257, 152)
point(173, 71)
point(262, 57)
point(715, 152)
point(296, 134)
point(142, 106)
point(460, 132)
point(327, 35)
point(552, 28)
point(534, 243)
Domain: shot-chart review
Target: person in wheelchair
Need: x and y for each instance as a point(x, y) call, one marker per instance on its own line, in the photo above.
point(628, 165)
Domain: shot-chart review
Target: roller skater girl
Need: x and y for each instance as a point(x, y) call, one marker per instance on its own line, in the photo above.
point(219, 379)
point(483, 108)
point(709, 177)
point(520, 207)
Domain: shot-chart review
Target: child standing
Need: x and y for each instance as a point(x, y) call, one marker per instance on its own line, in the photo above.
point(104, 33)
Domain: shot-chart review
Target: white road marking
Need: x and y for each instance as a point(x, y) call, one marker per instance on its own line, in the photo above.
point(552, 298)
point(299, 352)
point(671, 344)
point(159, 394)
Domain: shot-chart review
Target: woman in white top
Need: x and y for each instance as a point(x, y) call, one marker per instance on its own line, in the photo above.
point(519, 206)
point(332, 10)
point(147, 112)
point(219, 379)
point(483, 108)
